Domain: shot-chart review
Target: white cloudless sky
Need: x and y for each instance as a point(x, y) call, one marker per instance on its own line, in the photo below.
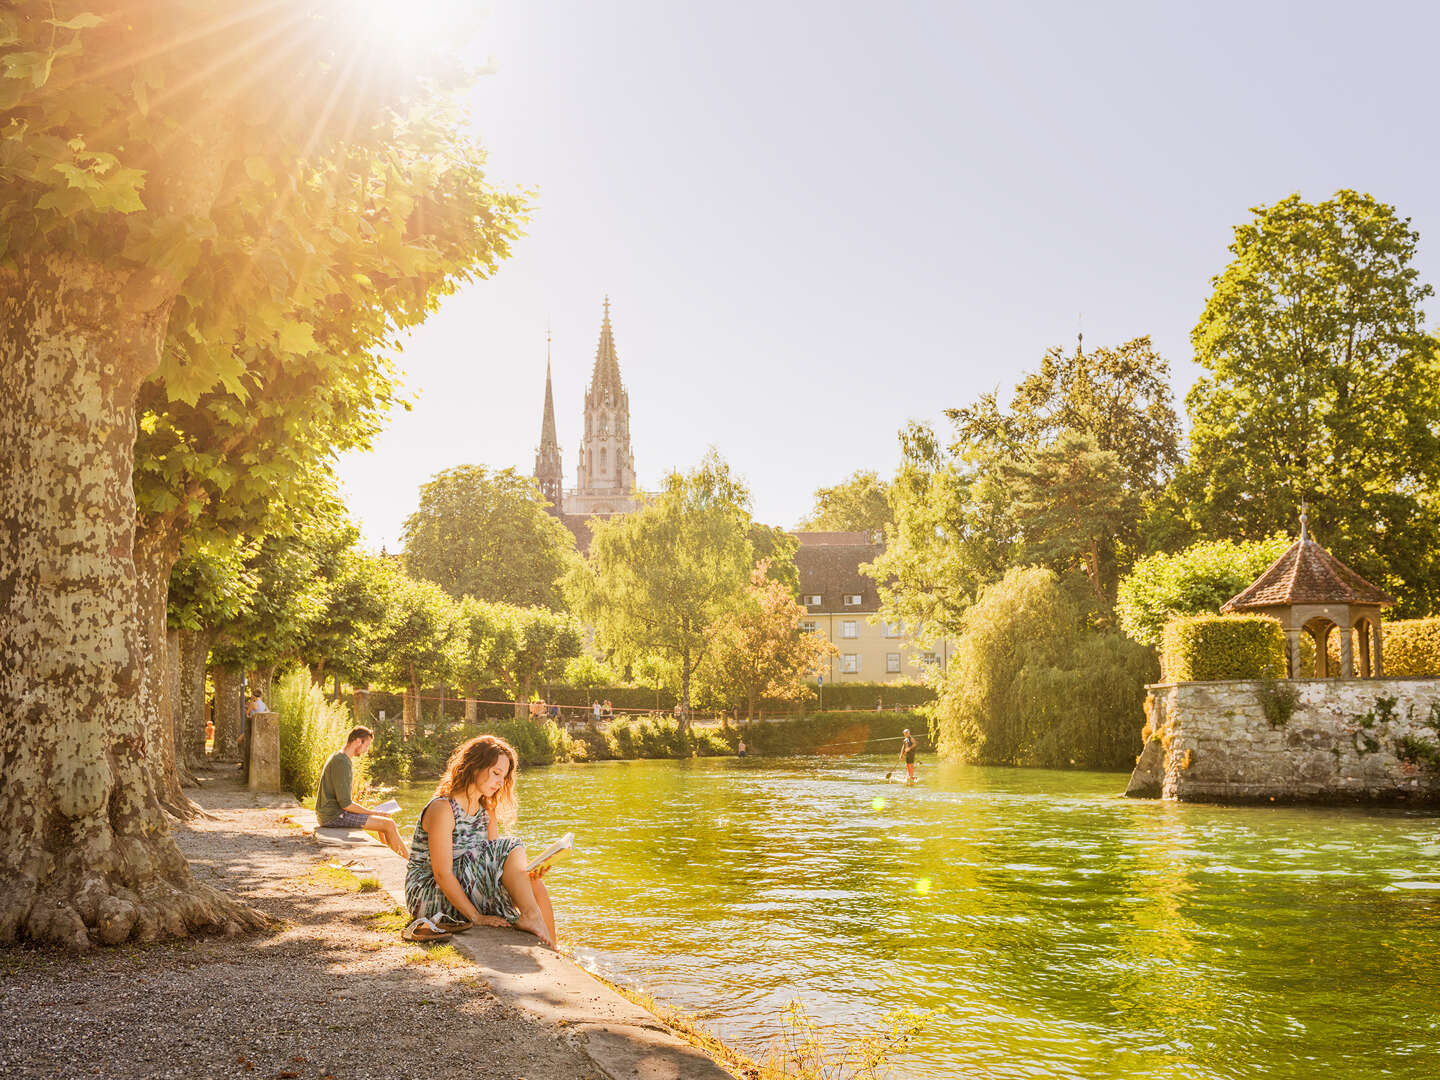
point(816, 221)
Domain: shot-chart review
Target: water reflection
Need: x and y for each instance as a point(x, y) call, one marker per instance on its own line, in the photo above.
point(1062, 931)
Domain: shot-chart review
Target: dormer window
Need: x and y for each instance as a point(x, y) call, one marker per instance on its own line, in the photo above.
point(813, 600)
point(853, 599)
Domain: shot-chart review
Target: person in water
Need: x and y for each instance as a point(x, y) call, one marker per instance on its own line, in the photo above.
point(907, 751)
point(462, 871)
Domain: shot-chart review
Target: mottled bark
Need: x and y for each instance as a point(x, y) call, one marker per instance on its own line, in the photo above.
point(157, 546)
point(229, 712)
point(85, 851)
point(190, 725)
point(409, 711)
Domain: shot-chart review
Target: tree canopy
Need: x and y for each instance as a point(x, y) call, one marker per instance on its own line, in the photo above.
point(859, 503)
point(487, 534)
point(1322, 387)
point(657, 579)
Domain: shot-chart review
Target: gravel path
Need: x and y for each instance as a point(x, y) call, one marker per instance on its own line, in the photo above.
point(330, 992)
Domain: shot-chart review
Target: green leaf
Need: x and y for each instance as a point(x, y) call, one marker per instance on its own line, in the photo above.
point(298, 337)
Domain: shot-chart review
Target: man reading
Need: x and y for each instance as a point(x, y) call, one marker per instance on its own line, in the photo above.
point(334, 807)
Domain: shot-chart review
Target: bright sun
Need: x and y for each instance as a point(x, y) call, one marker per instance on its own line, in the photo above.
point(416, 28)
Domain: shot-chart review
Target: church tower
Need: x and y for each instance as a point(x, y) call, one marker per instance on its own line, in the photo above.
point(549, 471)
point(607, 469)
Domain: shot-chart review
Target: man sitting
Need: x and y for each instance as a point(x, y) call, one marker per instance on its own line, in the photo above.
point(334, 807)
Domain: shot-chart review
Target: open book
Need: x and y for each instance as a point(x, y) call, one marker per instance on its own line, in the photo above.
point(389, 806)
point(560, 849)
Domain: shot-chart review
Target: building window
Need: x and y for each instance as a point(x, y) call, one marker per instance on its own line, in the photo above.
point(850, 663)
point(894, 629)
point(849, 628)
point(892, 663)
point(812, 600)
point(602, 459)
point(853, 599)
point(929, 658)
point(809, 626)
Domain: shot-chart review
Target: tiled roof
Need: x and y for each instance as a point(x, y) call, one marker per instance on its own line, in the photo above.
point(832, 539)
point(831, 570)
point(1307, 574)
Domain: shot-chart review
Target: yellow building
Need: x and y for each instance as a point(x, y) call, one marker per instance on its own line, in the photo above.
point(842, 603)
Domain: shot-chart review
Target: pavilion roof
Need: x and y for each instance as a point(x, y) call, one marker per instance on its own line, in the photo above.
point(1308, 574)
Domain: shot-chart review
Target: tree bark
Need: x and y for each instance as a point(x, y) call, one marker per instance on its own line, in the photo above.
point(157, 546)
point(85, 851)
point(408, 709)
point(190, 728)
point(229, 712)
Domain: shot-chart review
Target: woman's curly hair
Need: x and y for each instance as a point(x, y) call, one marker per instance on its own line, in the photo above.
point(470, 761)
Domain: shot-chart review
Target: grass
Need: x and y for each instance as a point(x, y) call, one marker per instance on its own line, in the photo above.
point(337, 877)
point(394, 920)
point(444, 955)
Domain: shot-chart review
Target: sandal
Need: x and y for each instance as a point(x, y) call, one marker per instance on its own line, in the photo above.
point(424, 929)
point(451, 925)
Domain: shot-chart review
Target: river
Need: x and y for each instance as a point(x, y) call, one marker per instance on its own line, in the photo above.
point(1057, 929)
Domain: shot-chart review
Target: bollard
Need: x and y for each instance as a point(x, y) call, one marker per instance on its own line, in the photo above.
point(265, 753)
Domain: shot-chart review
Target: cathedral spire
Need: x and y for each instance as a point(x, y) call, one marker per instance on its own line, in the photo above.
point(549, 470)
point(606, 375)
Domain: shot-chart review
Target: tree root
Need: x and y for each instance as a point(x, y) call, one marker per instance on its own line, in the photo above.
point(101, 913)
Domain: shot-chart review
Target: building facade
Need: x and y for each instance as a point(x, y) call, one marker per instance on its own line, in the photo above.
point(843, 603)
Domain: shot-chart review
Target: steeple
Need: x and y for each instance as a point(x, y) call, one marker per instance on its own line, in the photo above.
point(606, 375)
point(607, 470)
point(549, 469)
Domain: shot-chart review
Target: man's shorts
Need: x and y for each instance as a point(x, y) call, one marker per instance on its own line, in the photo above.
point(347, 820)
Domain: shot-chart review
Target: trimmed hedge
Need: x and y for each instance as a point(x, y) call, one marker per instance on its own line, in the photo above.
point(1412, 647)
point(834, 732)
point(1204, 647)
point(639, 699)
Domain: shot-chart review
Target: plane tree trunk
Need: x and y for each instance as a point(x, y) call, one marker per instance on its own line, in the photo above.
point(85, 851)
point(190, 726)
point(229, 712)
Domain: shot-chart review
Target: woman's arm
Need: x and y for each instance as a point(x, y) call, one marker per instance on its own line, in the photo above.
point(438, 821)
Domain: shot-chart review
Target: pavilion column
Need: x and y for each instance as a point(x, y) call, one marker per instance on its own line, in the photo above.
point(1379, 650)
point(1347, 651)
point(1363, 635)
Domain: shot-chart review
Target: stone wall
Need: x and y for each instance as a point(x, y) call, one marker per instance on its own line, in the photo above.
point(1301, 740)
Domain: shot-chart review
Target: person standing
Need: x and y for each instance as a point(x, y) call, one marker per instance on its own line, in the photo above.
point(740, 749)
point(907, 751)
point(335, 806)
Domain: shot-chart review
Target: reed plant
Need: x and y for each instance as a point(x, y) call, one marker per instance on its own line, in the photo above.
point(311, 729)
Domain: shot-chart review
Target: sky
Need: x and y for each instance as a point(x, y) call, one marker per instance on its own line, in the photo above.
point(818, 221)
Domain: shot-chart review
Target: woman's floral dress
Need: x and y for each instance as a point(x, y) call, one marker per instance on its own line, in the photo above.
point(478, 863)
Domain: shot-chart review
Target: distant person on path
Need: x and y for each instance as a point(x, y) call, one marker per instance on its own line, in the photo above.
point(462, 871)
point(554, 711)
point(609, 710)
point(907, 751)
point(740, 749)
point(335, 808)
point(595, 708)
point(537, 709)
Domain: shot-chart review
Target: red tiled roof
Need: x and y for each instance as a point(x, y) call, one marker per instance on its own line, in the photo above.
point(832, 539)
point(832, 572)
point(1307, 574)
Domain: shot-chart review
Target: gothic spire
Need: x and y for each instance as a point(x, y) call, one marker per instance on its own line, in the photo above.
point(547, 424)
point(606, 375)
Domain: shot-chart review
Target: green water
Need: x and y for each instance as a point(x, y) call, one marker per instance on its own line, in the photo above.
point(1061, 931)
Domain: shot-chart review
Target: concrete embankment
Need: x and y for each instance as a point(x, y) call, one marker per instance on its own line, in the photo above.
point(623, 1039)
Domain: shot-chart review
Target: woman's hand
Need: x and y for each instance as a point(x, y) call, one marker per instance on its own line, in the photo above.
point(491, 920)
point(539, 872)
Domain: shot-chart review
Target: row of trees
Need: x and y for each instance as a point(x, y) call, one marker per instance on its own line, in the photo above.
point(689, 593)
point(1321, 387)
point(215, 223)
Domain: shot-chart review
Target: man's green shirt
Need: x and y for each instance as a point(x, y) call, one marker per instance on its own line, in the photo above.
point(335, 783)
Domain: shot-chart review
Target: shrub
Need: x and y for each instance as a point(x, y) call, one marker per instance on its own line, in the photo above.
point(1412, 647)
point(840, 731)
point(1204, 647)
point(1195, 581)
point(311, 729)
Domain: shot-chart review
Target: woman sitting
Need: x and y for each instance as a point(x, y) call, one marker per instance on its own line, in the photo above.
point(462, 871)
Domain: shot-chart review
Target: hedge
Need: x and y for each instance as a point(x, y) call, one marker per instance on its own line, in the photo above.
point(639, 699)
point(1204, 647)
point(1411, 647)
point(837, 732)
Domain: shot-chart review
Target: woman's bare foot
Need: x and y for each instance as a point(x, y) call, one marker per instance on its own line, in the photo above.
point(534, 923)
